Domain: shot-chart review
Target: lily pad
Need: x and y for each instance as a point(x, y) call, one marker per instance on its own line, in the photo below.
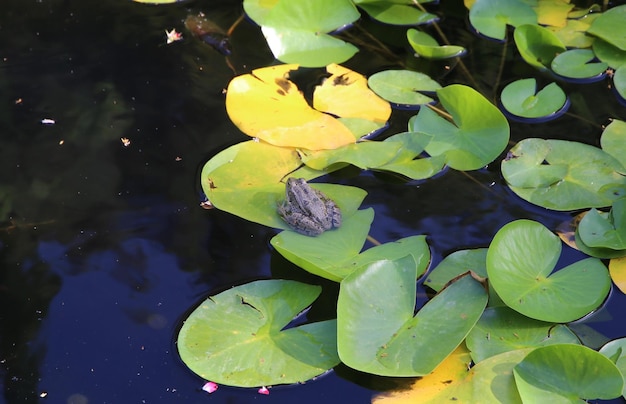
point(377, 331)
point(266, 105)
point(520, 261)
point(400, 153)
point(567, 373)
point(307, 48)
point(616, 351)
point(478, 135)
point(617, 269)
point(605, 230)
point(578, 64)
point(245, 180)
point(537, 45)
point(501, 329)
point(296, 30)
point(396, 12)
point(323, 255)
point(611, 55)
point(490, 381)
point(490, 17)
point(619, 81)
point(403, 87)
point(411, 161)
point(364, 155)
point(257, 10)
point(573, 35)
point(427, 388)
point(521, 99)
point(553, 13)
point(610, 27)
point(458, 263)
point(427, 47)
point(237, 338)
point(543, 172)
point(334, 256)
point(346, 94)
point(613, 140)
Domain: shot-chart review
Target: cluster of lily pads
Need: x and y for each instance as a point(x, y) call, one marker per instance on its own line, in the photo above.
point(499, 308)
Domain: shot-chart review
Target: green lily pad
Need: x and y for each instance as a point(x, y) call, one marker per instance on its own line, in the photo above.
point(577, 64)
point(395, 12)
point(334, 256)
point(245, 180)
point(573, 35)
point(490, 17)
point(307, 48)
point(236, 338)
point(537, 45)
point(364, 155)
point(377, 331)
point(324, 255)
point(257, 10)
point(610, 27)
point(403, 87)
point(478, 135)
point(296, 30)
point(427, 47)
point(501, 329)
point(413, 246)
point(616, 351)
point(458, 263)
point(619, 81)
point(400, 153)
point(611, 55)
point(521, 99)
point(613, 140)
point(410, 160)
point(567, 373)
point(605, 230)
point(598, 252)
point(543, 172)
point(520, 260)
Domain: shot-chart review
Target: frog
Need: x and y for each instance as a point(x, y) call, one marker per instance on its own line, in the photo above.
point(306, 210)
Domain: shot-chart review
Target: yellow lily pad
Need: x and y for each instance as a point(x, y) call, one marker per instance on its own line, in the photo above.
point(428, 388)
point(268, 106)
point(490, 381)
point(617, 269)
point(346, 94)
point(553, 13)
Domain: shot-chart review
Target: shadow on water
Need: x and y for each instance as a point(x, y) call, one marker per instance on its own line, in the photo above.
point(103, 244)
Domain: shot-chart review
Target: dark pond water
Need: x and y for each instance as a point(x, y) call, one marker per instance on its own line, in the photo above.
point(104, 248)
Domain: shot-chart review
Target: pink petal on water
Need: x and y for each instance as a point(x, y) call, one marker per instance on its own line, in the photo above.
point(264, 390)
point(210, 387)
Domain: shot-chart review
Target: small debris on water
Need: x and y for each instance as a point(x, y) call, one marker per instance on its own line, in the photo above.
point(210, 387)
point(48, 121)
point(173, 36)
